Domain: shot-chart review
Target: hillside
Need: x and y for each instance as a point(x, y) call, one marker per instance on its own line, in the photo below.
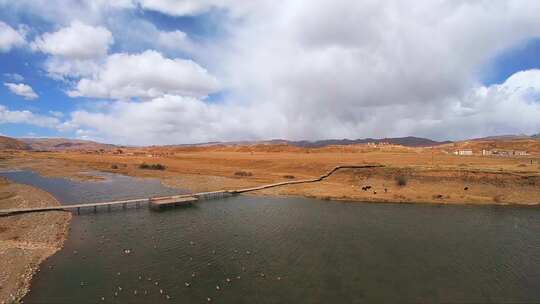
point(529, 144)
point(8, 143)
point(409, 141)
point(63, 144)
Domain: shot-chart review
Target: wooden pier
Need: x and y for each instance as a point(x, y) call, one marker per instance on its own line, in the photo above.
point(177, 200)
point(161, 203)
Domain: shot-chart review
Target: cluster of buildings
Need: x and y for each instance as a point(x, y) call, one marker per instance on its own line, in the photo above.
point(376, 144)
point(493, 152)
point(504, 153)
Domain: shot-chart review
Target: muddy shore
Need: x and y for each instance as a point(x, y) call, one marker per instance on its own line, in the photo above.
point(26, 240)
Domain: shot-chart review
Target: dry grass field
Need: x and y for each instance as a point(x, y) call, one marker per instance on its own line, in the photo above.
point(411, 175)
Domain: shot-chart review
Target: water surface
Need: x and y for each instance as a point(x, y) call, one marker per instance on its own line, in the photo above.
point(286, 250)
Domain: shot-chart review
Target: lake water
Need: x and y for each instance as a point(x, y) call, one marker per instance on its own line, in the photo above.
point(285, 250)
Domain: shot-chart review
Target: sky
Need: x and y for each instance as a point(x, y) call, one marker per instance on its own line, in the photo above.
point(150, 72)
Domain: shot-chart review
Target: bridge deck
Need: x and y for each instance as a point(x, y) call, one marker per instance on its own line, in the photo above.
point(171, 201)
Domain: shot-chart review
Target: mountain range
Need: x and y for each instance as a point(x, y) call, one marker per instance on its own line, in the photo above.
point(64, 144)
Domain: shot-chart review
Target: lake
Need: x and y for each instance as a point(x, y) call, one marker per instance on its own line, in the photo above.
point(250, 249)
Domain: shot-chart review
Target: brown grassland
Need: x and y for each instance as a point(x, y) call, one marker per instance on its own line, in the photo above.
point(410, 175)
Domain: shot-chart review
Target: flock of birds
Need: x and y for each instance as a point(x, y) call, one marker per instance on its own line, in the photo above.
point(154, 285)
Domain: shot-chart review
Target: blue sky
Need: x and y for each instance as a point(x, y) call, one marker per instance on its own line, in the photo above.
point(524, 56)
point(164, 72)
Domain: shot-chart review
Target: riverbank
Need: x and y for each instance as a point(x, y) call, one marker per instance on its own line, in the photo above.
point(408, 176)
point(26, 240)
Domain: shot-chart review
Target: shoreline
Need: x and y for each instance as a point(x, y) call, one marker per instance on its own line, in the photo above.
point(471, 184)
point(27, 240)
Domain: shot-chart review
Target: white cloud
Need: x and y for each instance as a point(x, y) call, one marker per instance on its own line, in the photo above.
point(146, 75)
point(26, 117)
point(179, 8)
point(75, 50)
point(62, 68)
point(14, 76)
point(305, 69)
point(22, 89)
point(235, 8)
point(10, 38)
point(370, 68)
point(136, 34)
point(169, 119)
point(496, 109)
point(175, 40)
point(56, 114)
point(77, 41)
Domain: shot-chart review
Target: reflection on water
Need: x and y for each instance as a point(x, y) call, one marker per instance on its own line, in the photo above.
point(112, 187)
point(287, 250)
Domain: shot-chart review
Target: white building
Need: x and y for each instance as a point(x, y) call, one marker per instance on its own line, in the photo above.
point(463, 152)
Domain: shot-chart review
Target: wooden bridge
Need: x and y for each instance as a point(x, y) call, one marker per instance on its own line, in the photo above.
point(176, 200)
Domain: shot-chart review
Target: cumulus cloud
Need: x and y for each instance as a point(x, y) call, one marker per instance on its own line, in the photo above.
point(175, 40)
point(320, 69)
point(77, 41)
point(370, 68)
point(22, 89)
point(513, 106)
point(146, 75)
point(26, 117)
point(308, 69)
point(139, 34)
point(75, 50)
point(64, 68)
point(169, 119)
point(10, 38)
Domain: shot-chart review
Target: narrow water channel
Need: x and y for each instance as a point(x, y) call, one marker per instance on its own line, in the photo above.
point(285, 250)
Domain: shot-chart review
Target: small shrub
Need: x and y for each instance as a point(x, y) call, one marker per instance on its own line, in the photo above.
point(288, 176)
point(401, 180)
point(152, 166)
point(498, 198)
point(243, 173)
point(114, 167)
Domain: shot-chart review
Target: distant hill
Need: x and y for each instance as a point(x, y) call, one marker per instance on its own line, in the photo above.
point(409, 141)
point(63, 144)
point(8, 143)
point(529, 144)
point(504, 137)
